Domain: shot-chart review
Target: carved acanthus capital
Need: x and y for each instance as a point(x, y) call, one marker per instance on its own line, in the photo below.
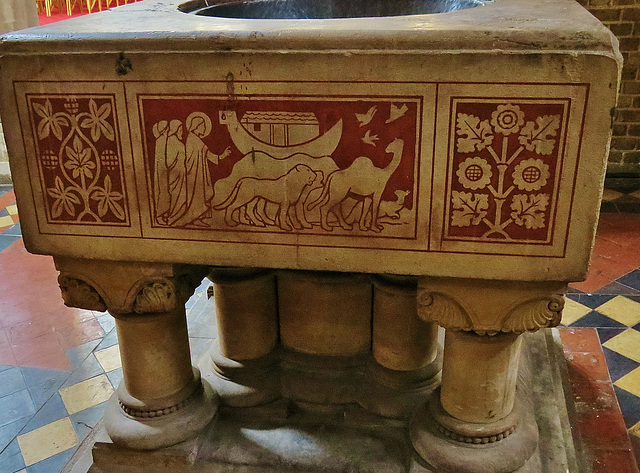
point(490, 307)
point(77, 293)
point(164, 295)
point(125, 288)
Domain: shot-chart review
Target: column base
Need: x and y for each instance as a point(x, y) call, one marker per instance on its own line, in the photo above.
point(153, 428)
point(396, 394)
point(321, 380)
point(450, 445)
point(242, 383)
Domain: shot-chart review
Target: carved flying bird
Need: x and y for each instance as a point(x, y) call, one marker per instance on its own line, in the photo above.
point(369, 138)
point(365, 118)
point(396, 112)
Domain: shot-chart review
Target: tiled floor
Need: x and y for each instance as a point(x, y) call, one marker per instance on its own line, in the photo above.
point(58, 365)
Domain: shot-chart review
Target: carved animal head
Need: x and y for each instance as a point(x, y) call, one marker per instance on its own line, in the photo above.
point(401, 194)
point(306, 172)
point(395, 146)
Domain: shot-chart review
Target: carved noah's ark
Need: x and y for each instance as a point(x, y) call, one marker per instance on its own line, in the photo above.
point(349, 181)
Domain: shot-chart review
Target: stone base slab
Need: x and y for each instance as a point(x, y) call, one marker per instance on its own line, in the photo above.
point(280, 437)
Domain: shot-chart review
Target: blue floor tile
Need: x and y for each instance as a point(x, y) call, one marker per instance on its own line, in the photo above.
point(84, 421)
point(10, 431)
point(593, 300)
point(11, 459)
point(52, 411)
point(77, 355)
point(596, 319)
point(107, 322)
point(607, 333)
point(618, 289)
point(15, 406)
point(7, 240)
point(115, 377)
point(42, 383)
point(14, 230)
point(630, 406)
point(11, 381)
point(88, 369)
point(618, 365)
point(52, 464)
point(109, 340)
point(632, 279)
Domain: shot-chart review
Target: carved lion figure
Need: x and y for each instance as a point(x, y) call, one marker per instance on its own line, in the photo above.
point(284, 191)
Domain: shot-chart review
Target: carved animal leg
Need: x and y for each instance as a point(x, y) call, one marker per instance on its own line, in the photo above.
point(337, 211)
point(375, 208)
point(364, 217)
point(282, 215)
point(261, 210)
point(228, 217)
point(251, 213)
point(293, 218)
point(299, 209)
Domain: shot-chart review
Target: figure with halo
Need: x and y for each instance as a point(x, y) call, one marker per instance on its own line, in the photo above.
point(198, 184)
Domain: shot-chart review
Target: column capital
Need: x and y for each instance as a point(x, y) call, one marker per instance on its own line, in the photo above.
point(126, 287)
point(489, 307)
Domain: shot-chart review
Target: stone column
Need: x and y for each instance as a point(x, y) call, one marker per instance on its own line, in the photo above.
point(405, 366)
point(325, 330)
point(477, 423)
point(161, 399)
point(243, 363)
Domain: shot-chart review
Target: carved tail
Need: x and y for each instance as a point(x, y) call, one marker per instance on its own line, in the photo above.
point(231, 197)
point(324, 196)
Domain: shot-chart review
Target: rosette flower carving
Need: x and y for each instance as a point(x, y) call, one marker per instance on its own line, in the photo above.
point(531, 174)
point(474, 173)
point(507, 119)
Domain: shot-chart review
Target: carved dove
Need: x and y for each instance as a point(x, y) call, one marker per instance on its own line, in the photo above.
point(396, 112)
point(369, 138)
point(365, 118)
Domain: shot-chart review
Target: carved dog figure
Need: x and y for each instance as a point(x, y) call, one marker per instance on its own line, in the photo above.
point(285, 191)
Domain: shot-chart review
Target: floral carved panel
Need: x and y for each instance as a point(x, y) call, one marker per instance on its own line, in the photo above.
point(79, 159)
point(505, 160)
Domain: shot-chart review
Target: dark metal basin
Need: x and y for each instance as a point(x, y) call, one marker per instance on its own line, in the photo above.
point(323, 9)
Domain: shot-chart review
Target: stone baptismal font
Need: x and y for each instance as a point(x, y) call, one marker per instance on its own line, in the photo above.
point(389, 197)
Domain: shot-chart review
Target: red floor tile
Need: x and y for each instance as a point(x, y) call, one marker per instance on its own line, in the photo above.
point(6, 199)
point(80, 333)
point(615, 461)
point(580, 340)
point(43, 352)
point(587, 366)
point(6, 356)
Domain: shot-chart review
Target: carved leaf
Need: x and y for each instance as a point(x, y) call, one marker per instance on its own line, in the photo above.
point(474, 134)
point(469, 209)
point(535, 314)
point(528, 210)
point(537, 136)
point(64, 199)
point(436, 307)
point(77, 293)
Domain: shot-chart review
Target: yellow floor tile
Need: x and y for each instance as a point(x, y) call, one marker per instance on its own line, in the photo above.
point(47, 441)
point(109, 358)
point(635, 429)
point(12, 209)
point(573, 311)
point(621, 309)
point(88, 393)
point(627, 344)
point(6, 221)
point(630, 382)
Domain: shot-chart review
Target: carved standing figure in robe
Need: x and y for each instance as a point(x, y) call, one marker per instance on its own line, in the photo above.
point(176, 172)
point(161, 176)
point(199, 186)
